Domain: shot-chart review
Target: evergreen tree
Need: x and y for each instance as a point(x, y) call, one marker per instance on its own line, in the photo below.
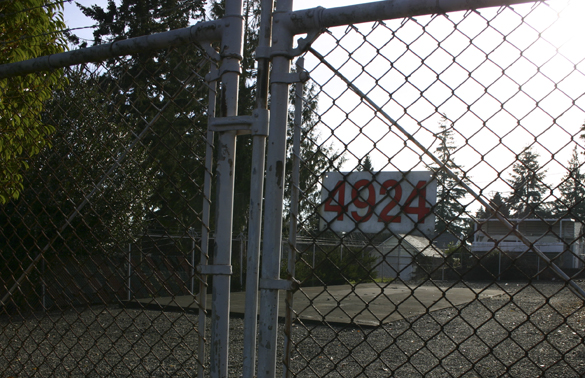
point(316, 158)
point(528, 187)
point(144, 81)
point(498, 203)
point(366, 166)
point(572, 188)
point(165, 88)
point(448, 211)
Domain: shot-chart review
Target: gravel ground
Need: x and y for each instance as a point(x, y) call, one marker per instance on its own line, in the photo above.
point(531, 331)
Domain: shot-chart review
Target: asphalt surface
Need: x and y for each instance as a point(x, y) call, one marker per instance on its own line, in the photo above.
point(368, 304)
point(532, 330)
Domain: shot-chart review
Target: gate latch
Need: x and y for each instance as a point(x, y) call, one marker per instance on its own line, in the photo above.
point(256, 124)
point(276, 284)
point(215, 270)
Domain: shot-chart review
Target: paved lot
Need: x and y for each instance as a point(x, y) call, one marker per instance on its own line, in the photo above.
point(368, 304)
point(535, 329)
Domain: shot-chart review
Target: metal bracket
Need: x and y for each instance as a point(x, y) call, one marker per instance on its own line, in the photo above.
point(211, 51)
point(220, 71)
point(277, 284)
point(215, 270)
point(303, 44)
point(256, 124)
point(212, 76)
point(289, 78)
point(263, 52)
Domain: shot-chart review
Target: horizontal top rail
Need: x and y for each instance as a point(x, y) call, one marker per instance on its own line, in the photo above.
point(206, 31)
point(303, 21)
point(299, 22)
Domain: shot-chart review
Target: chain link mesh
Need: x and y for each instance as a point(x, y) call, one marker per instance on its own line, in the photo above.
point(108, 216)
point(492, 95)
point(401, 271)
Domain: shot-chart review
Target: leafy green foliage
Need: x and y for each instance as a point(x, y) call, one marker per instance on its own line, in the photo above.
point(29, 29)
point(84, 148)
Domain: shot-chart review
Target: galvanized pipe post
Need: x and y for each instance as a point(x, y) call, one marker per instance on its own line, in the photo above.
point(231, 51)
point(205, 226)
point(294, 217)
point(256, 198)
point(129, 271)
point(193, 236)
point(275, 171)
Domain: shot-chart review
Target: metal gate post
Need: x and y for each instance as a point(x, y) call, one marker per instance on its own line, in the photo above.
point(129, 271)
point(205, 226)
point(231, 53)
point(294, 216)
point(256, 196)
point(275, 172)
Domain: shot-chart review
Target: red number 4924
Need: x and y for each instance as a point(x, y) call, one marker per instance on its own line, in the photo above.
point(364, 196)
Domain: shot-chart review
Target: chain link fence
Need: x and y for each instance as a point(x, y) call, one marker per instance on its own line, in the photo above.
point(433, 208)
point(490, 94)
point(98, 222)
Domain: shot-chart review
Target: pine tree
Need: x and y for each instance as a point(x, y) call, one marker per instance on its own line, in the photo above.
point(316, 158)
point(366, 166)
point(572, 188)
point(448, 211)
point(144, 79)
point(497, 202)
point(165, 87)
point(528, 187)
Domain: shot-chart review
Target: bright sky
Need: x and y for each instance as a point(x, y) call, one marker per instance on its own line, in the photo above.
point(530, 89)
point(517, 83)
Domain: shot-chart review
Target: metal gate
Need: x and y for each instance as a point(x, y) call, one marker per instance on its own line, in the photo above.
point(411, 190)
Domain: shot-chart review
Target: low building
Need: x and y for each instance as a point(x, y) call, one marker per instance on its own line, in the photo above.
point(406, 257)
point(561, 240)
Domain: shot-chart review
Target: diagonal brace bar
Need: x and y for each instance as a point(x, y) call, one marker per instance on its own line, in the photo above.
point(576, 288)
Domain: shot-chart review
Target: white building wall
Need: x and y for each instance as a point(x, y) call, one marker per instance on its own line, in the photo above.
point(395, 264)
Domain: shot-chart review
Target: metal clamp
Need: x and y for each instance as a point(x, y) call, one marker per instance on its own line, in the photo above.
point(289, 78)
point(303, 44)
point(277, 284)
point(263, 52)
point(211, 51)
point(261, 122)
point(223, 69)
point(256, 124)
point(215, 270)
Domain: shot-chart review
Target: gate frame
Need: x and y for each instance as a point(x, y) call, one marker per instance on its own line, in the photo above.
point(287, 24)
point(277, 48)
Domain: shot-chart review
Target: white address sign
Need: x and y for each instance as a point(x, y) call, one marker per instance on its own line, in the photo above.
point(373, 201)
